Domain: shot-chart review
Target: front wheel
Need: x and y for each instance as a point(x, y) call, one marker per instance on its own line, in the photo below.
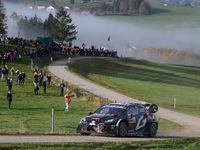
point(85, 133)
point(122, 130)
point(152, 130)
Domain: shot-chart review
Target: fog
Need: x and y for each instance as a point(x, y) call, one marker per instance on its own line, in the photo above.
point(94, 30)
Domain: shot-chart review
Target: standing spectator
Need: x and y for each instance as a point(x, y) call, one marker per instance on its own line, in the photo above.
point(6, 72)
point(40, 79)
point(14, 56)
point(44, 85)
point(48, 80)
point(36, 77)
point(4, 60)
point(12, 72)
point(17, 73)
point(36, 88)
point(61, 88)
point(23, 77)
point(3, 72)
point(9, 98)
point(0, 60)
point(19, 78)
point(67, 101)
point(10, 86)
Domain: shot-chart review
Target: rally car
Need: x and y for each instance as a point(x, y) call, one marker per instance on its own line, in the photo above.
point(121, 119)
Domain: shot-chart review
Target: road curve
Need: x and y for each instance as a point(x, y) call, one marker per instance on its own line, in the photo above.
point(191, 125)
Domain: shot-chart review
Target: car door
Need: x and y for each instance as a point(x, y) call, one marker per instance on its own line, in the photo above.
point(133, 116)
point(141, 119)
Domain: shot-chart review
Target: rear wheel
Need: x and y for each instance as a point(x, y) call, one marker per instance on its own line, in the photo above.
point(85, 133)
point(122, 130)
point(152, 130)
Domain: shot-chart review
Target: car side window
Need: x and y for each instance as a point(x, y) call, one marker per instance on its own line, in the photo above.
point(141, 110)
point(133, 111)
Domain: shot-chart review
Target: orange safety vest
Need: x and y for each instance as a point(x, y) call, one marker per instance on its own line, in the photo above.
point(67, 99)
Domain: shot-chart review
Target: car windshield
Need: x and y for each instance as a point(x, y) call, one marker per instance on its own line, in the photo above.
point(108, 110)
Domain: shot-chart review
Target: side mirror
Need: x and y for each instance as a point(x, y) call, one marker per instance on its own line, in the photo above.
point(90, 113)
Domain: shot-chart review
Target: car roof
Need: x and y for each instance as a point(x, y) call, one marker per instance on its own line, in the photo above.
point(125, 104)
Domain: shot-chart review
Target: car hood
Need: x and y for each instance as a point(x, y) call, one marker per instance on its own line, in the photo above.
point(100, 117)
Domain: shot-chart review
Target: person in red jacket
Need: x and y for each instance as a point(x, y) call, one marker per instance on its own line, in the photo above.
point(67, 101)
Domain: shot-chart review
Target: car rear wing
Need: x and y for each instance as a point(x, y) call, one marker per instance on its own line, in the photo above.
point(152, 108)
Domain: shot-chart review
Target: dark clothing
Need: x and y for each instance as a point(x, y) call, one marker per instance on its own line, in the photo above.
point(44, 85)
point(9, 98)
point(40, 79)
point(36, 78)
point(10, 86)
point(23, 77)
point(49, 81)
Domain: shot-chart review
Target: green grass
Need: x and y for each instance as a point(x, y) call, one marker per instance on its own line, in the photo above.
point(178, 144)
point(146, 81)
point(31, 113)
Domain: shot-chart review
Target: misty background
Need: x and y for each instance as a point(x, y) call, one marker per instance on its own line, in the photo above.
point(95, 30)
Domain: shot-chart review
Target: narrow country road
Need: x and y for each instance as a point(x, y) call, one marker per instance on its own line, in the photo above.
point(191, 125)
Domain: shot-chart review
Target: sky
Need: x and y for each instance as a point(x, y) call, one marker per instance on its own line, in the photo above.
point(94, 30)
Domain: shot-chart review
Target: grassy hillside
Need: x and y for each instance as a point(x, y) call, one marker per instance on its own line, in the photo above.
point(146, 81)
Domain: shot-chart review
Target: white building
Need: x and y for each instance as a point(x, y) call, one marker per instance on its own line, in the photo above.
point(50, 9)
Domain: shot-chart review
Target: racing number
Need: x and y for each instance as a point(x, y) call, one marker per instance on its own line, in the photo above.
point(139, 124)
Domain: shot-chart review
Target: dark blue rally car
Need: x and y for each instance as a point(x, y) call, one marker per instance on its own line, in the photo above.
point(121, 119)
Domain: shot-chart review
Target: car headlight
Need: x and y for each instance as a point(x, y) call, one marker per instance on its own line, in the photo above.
point(110, 120)
point(82, 120)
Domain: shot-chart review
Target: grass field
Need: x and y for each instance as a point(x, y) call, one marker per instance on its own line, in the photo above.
point(178, 144)
point(31, 113)
point(145, 81)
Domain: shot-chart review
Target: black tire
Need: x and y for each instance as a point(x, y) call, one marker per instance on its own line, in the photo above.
point(152, 130)
point(85, 133)
point(122, 129)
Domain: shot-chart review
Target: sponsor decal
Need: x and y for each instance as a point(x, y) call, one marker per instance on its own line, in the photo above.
point(132, 120)
point(141, 123)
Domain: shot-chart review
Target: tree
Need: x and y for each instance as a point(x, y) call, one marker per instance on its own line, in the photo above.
point(14, 16)
point(3, 21)
point(61, 27)
point(188, 4)
point(48, 22)
point(124, 6)
point(116, 5)
point(72, 2)
point(145, 8)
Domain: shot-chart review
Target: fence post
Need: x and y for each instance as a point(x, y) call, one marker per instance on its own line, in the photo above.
point(52, 120)
point(83, 93)
point(66, 84)
point(77, 92)
point(100, 99)
point(107, 101)
point(91, 96)
point(71, 87)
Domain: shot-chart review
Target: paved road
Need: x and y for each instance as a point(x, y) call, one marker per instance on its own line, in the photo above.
point(68, 138)
point(191, 125)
